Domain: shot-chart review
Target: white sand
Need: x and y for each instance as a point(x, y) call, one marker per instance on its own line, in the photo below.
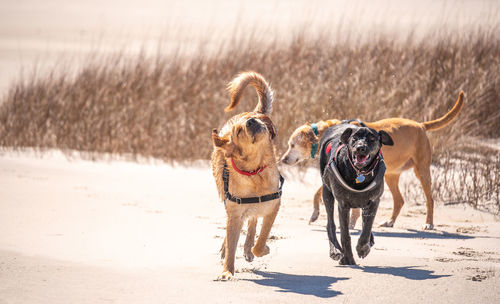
point(75, 231)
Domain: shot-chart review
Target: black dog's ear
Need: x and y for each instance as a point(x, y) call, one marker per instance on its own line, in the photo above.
point(344, 138)
point(385, 138)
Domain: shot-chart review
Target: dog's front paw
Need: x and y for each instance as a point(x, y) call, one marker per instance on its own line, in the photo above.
point(335, 254)
point(314, 216)
point(347, 261)
point(428, 227)
point(248, 255)
point(387, 224)
point(260, 252)
point(363, 250)
point(225, 276)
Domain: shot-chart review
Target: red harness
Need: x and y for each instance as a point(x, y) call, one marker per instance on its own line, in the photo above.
point(328, 149)
point(247, 173)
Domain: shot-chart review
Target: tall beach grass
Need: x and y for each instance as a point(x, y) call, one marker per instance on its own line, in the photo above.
point(165, 105)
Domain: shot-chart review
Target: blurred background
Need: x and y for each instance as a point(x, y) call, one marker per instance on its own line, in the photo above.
point(34, 33)
point(147, 78)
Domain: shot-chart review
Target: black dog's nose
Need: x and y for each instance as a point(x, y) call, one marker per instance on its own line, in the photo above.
point(251, 122)
point(361, 149)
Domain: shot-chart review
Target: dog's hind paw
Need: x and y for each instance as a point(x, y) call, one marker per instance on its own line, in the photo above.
point(260, 252)
point(387, 224)
point(363, 250)
point(314, 216)
point(428, 227)
point(225, 276)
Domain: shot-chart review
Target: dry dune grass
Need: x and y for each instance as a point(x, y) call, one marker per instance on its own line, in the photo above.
point(165, 106)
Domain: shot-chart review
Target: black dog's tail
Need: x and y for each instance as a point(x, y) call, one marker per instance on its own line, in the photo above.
point(237, 85)
point(447, 118)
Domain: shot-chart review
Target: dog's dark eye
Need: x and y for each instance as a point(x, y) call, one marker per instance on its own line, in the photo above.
point(292, 146)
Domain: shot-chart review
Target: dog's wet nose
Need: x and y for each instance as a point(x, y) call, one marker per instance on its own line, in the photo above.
point(361, 149)
point(251, 122)
point(284, 159)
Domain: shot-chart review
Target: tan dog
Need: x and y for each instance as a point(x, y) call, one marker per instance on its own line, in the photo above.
point(245, 149)
point(411, 149)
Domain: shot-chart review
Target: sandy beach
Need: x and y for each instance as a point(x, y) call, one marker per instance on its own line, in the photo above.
point(147, 232)
point(115, 231)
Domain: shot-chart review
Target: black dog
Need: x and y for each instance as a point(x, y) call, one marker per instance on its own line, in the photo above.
point(352, 170)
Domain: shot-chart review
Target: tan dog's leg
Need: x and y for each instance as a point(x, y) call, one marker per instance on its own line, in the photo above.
point(233, 228)
point(316, 201)
point(260, 248)
point(423, 173)
point(223, 249)
point(392, 180)
point(355, 213)
point(249, 242)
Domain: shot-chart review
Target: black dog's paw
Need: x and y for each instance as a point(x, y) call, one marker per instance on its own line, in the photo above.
point(347, 261)
point(363, 250)
point(336, 255)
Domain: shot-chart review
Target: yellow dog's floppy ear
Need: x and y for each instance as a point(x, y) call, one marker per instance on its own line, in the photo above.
point(223, 143)
point(311, 136)
point(269, 125)
point(217, 140)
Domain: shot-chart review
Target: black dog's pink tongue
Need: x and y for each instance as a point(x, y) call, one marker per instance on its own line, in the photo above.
point(361, 159)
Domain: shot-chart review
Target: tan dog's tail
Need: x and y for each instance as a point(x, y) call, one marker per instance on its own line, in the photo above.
point(447, 118)
point(263, 88)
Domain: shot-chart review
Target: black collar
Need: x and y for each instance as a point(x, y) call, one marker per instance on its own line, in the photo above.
point(248, 200)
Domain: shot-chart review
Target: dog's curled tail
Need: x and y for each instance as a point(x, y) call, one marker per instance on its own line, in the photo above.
point(263, 88)
point(447, 118)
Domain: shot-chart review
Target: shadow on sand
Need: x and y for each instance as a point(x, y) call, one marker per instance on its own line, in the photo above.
point(318, 286)
point(413, 234)
point(420, 234)
point(408, 272)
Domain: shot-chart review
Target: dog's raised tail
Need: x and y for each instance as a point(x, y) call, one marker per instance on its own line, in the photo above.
point(263, 88)
point(447, 118)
